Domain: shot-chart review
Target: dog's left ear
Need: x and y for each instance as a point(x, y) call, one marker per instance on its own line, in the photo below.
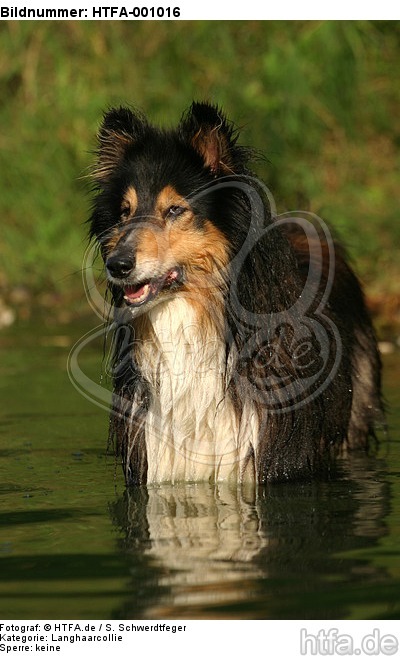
point(212, 136)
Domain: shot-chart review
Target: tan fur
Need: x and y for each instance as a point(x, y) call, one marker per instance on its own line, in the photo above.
point(130, 201)
point(204, 254)
point(113, 239)
point(165, 243)
point(168, 197)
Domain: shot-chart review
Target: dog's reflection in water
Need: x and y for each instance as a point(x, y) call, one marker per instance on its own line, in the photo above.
point(202, 541)
point(213, 551)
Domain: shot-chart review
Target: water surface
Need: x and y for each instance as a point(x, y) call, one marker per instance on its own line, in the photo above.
point(75, 544)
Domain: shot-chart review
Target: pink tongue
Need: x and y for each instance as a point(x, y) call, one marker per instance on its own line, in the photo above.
point(132, 292)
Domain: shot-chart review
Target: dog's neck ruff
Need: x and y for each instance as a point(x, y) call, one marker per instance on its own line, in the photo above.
point(192, 430)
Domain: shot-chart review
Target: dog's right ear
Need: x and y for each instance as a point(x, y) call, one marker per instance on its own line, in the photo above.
point(121, 129)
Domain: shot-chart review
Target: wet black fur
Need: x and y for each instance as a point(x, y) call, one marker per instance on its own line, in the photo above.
point(299, 435)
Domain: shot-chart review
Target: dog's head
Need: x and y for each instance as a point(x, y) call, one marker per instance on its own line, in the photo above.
point(158, 217)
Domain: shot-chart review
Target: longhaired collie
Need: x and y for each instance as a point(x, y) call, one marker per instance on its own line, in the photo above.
point(243, 349)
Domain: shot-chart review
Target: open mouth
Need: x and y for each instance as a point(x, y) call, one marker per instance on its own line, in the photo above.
point(146, 290)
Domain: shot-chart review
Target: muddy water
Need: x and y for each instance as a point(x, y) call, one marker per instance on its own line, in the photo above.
point(74, 544)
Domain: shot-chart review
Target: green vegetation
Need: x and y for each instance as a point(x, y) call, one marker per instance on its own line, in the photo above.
point(320, 99)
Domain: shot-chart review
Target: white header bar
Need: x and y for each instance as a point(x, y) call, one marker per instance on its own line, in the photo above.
point(134, 10)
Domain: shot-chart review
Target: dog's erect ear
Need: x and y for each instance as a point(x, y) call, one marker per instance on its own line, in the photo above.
point(212, 136)
point(121, 128)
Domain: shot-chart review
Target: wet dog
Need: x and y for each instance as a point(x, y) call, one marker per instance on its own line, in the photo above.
point(243, 349)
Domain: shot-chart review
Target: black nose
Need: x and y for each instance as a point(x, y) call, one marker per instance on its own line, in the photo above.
point(119, 267)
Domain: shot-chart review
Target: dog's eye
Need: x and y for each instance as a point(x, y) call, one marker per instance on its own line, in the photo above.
point(174, 211)
point(125, 211)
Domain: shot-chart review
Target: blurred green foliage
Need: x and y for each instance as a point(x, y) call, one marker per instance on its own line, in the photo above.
point(320, 99)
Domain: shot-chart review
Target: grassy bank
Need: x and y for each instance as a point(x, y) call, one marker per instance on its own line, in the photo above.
point(320, 99)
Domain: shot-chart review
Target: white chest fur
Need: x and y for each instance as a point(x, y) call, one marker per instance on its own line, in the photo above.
point(192, 430)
